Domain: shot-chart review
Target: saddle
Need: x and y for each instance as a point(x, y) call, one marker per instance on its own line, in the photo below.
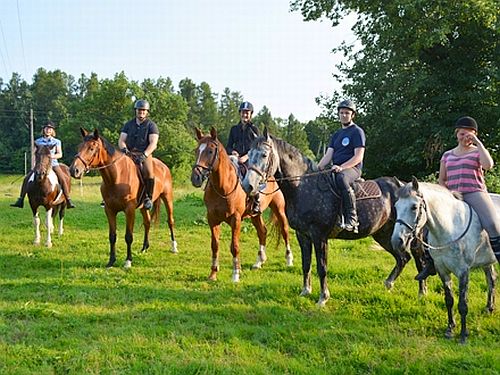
point(366, 189)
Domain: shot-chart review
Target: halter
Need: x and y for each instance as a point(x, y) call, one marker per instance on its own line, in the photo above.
point(422, 209)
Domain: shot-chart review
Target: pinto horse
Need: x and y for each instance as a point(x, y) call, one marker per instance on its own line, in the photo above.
point(227, 202)
point(456, 241)
point(122, 189)
point(313, 206)
point(43, 189)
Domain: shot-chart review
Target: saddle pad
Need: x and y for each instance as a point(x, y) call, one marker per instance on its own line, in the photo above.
point(367, 190)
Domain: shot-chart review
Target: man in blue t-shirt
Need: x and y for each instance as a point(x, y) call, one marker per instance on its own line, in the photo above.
point(346, 151)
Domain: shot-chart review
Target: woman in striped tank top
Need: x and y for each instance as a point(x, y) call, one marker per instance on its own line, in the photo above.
point(462, 169)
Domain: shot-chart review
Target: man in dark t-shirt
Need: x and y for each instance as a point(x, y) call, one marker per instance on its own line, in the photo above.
point(139, 137)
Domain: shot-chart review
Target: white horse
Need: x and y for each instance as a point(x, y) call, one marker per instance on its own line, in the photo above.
point(456, 241)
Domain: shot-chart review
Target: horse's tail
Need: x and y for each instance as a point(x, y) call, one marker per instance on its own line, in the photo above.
point(275, 229)
point(155, 213)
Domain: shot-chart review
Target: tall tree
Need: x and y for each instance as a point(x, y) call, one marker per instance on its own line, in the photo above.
point(420, 66)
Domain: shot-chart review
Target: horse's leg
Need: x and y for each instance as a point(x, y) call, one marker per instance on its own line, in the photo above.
point(278, 211)
point(112, 236)
point(129, 233)
point(401, 257)
point(168, 200)
point(61, 220)
point(321, 250)
point(215, 232)
point(259, 225)
point(448, 298)
point(463, 287)
point(491, 277)
point(235, 247)
point(36, 226)
point(50, 227)
point(417, 252)
point(306, 254)
point(146, 220)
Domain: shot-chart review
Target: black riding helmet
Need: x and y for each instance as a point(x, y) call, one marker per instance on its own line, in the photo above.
point(466, 122)
point(141, 104)
point(246, 106)
point(349, 104)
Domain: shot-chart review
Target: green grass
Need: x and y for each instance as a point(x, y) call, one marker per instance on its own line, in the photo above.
point(62, 311)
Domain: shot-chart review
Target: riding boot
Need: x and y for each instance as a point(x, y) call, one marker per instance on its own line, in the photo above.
point(64, 186)
point(19, 203)
point(428, 269)
point(149, 185)
point(495, 245)
point(256, 204)
point(350, 214)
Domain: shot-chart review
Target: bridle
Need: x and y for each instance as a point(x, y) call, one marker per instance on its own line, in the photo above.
point(205, 172)
point(88, 164)
point(265, 175)
point(420, 214)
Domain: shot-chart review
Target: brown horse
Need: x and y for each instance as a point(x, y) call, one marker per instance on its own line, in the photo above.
point(44, 190)
point(122, 189)
point(226, 202)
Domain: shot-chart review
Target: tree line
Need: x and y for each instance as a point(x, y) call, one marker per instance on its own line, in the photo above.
point(417, 67)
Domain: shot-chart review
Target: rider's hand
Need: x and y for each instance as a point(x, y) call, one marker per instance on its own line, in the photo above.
point(141, 157)
point(125, 151)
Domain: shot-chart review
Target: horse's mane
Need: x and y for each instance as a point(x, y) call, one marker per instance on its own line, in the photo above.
point(285, 148)
point(110, 149)
point(407, 190)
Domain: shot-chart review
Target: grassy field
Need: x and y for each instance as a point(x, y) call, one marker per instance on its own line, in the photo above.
point(63, 312)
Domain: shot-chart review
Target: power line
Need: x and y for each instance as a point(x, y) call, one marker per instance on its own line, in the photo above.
point(22, 41)
point(5, 47)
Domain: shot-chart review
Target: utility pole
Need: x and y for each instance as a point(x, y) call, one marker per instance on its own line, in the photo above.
point(32, 139)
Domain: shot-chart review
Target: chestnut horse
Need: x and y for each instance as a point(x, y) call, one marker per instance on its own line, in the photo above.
point(227, 202)
point(43, 189)
point(122, 189)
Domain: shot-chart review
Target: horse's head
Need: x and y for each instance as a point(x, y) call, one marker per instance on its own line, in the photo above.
point(262, 163)
point(43, 161)
point(411, 211)
point(207, 156)
point(88, 155)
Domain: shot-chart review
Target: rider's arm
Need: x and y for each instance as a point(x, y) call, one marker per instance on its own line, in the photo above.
point(122, 141)
point(58, 154)
point(153, 143)
point(359, 153)
point(326, 158)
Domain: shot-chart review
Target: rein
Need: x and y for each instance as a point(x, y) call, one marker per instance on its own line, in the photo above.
point(414, 229)
point(87, 165)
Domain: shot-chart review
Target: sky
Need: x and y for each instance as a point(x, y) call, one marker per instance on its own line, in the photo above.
point(256, 47)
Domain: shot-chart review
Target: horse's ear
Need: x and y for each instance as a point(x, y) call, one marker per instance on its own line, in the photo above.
point(96, 133)
point(414, 183)
point(213, 132)
point(84, 132)
point(198, 132)
point(266, 132)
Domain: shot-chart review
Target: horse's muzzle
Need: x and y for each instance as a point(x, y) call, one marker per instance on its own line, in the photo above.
point(197, 177)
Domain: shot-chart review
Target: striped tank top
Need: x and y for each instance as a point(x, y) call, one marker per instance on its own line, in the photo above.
point(464, 172)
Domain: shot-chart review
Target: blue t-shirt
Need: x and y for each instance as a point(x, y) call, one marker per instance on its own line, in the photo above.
point(49, 141)
point(344, 141)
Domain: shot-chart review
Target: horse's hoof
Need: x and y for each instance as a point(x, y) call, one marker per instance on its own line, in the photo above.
point(388, 284)
point(305, 292)
point(257, 266)
point(174, 250)
point(212, 277)
point(289, 262)
point(448, 335)
point(48, 245)
point(128, 264)
point(236, 278)
point(321, 302)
